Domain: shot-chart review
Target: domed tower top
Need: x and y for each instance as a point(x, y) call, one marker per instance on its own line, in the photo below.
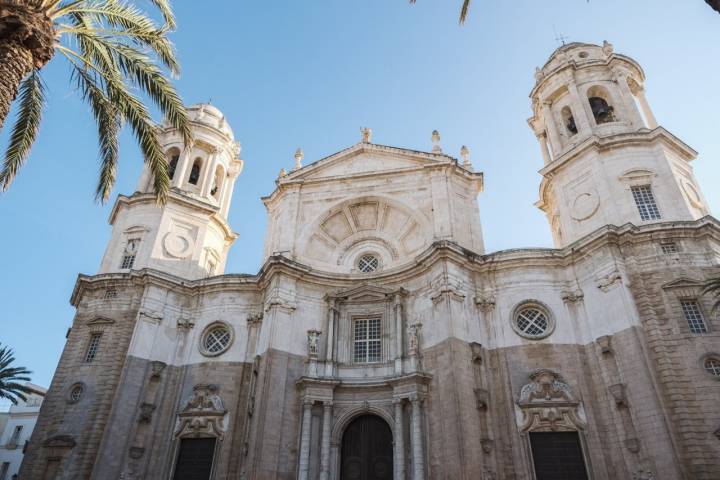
point(607, 162)
point(585, 90)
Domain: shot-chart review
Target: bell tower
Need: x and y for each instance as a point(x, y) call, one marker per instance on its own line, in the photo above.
point(189, 236)
point(607, 162)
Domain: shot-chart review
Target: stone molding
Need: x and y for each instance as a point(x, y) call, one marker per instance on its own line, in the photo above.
point(547, 403)
point(203, 414)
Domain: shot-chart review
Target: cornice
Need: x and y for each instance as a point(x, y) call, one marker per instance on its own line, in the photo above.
point(627, 234)
point(178, 197)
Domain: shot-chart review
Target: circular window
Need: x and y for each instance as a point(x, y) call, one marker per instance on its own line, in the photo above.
point(532, 321)
point(583, 54)
point(75, 393)
point(216, 339)
point(368, 263)
point(712, 366)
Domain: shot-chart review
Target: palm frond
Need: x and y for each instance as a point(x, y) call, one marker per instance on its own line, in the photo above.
point(10, 376)
point(32, 102)
point(464, 11)
point(166, 11)
point(712, 286)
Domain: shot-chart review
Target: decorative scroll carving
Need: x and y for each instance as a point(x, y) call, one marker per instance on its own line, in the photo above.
point(572, 295)
point(254, 319)
point(136, 452)
point(156, 368)
point(548, 404)
point(619, 394)
point(185, 324)
point(146, 412)
point(632, 444)
point(447, 286)
point(605, 343)
point(642, 474)
point(487, 444)
point(476, 349)
point(482, 397)
point(485, 303)
point(606, 282)
point(203, 414)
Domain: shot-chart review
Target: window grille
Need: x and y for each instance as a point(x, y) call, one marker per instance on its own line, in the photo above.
point(645, 201)
point(128, 259)
point(217, 340)
point(712, 366)
point(368, 344)
point(110, 293)
point(694, 316)
point(669, 248)
point(93, 346)
point(76, 393)
point(368, 263)
point(532, 322)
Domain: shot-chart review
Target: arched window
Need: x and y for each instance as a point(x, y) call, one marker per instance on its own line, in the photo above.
point(600, 106)
point(217, 182)
point(172, 164)
point(195, 172)
point(569, 121)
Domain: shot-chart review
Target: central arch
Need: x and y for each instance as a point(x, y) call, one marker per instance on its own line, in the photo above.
point(367, 451)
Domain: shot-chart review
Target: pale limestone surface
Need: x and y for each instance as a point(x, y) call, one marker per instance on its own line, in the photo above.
point(460, 387)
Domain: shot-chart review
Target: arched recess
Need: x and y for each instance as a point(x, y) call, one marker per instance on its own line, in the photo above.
point(194, 177)
point(173, 157)
point(346, 422)
point(569, 121)
point(601, 104)
point(383, 226)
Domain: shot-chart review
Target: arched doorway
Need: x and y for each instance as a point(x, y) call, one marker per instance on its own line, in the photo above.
point(367, 452)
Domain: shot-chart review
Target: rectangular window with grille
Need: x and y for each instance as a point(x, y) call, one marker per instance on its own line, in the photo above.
point(694, 316)
point(93, 347)
point(645, 201)
point(669, 248)
point(367, 340)
point(128, 258)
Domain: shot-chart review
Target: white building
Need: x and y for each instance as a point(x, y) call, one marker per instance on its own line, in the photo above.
point(380, 340)
point(15, 431)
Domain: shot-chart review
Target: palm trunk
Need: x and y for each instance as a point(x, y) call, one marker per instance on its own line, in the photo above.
point(715, 4)
point(15, 62)
point(26, 42)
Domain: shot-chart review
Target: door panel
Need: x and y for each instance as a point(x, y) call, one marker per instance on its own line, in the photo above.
point(367, 452)
point(195, 459)
point(558, 456)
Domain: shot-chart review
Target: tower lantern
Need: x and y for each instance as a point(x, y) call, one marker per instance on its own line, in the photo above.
point(607, 162)
point(189, 236)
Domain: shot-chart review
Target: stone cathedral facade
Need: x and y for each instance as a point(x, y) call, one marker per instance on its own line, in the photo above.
point(379, 340)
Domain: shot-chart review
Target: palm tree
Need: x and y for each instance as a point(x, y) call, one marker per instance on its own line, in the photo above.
point(712, 286)
point(715, 4)
point(111, 46)
point(466, 7)
point(10, 376)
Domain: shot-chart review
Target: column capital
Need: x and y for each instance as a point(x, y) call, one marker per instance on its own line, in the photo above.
point(397, 401)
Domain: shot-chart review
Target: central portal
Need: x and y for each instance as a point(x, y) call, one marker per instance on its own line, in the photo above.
point(367, 451)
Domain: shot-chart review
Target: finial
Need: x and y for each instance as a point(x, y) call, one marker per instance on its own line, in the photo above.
point(299, 155)
point(282, 173)
point(539, 74)
point(366, 134)
point(607, 48)
point(436, 142)
point(465, 155)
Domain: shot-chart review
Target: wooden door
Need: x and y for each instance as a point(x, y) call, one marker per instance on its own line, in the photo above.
point(195, 459)
point(367, 452)
point(558, 456)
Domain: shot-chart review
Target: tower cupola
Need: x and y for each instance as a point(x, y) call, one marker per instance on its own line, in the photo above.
point(189, 235)
point(607, 162)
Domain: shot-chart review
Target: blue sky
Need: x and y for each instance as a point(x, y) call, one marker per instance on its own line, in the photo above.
point(309, 74)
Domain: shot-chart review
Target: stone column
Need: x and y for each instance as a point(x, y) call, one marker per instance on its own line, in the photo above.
point(399, 333)
point(628, 101)
point(229, 185)
point(552, 130)
point(325, 445)
point(181, 169)
point(645, 106)
point(330, 346)
point(305, 441)
point(208, 177)
point(542, 140)
point(399, 441)
point(418, 456)
point(581, 110)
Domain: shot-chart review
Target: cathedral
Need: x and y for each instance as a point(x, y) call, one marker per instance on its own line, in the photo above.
point(379, 340)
